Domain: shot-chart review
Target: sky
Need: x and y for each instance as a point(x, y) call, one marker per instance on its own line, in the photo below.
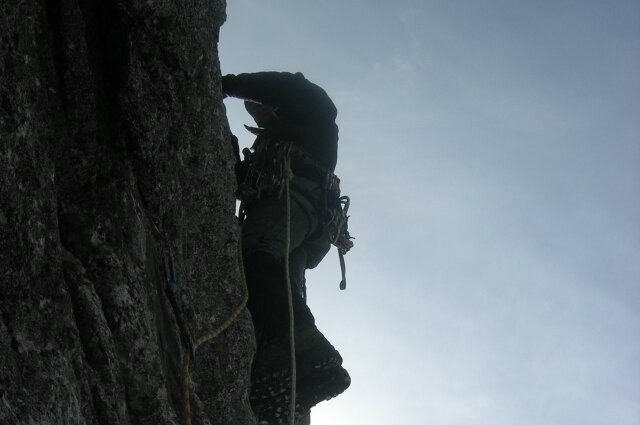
point(491, 150)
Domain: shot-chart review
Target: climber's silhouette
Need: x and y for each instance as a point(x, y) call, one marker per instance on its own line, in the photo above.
point(296, 120)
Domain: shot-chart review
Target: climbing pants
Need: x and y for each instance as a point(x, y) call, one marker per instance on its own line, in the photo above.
point(264, 247)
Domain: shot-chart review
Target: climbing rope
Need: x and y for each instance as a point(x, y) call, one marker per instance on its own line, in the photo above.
point(292, 342)
point(213, 334)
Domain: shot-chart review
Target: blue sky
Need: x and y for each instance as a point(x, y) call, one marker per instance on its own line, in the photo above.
point(492, 153)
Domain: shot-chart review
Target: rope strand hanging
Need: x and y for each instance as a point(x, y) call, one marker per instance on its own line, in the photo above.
point(292, 342)
point(211, 335)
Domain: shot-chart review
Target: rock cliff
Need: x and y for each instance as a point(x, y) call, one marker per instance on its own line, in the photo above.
point(114, 150)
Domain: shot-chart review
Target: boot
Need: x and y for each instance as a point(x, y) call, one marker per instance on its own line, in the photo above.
point(271, 370)
point(275, 410)
point(319, 373)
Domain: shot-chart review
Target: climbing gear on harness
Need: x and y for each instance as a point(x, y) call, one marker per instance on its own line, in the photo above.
point(170, 290)
point(337, 226)
point(263, 171)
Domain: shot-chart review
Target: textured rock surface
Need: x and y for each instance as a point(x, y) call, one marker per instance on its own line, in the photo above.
point(113, 150)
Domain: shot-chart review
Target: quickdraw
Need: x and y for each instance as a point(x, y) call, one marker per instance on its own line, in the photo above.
point(170, 290)
point(338, 228)
point(265, 169)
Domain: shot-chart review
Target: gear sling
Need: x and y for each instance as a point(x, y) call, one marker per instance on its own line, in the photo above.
point(271, 163)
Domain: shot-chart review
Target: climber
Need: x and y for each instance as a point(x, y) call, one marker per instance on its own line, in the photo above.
point(295, 119)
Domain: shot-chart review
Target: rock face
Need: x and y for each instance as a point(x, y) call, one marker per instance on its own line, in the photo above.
point(113, 150)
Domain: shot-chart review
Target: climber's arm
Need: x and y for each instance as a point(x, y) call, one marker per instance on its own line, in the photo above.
point(296, 96)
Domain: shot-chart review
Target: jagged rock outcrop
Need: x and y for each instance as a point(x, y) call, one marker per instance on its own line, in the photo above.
point(113, 150)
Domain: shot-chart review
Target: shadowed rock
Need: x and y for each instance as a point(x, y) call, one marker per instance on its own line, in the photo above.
point(113, 150)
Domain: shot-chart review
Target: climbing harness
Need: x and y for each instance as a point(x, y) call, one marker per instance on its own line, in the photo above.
point(264, 170)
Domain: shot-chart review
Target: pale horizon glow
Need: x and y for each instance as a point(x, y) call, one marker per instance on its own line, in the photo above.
point(492, 153)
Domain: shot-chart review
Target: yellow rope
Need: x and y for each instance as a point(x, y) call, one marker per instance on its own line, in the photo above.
point(211, 335)
point(292, 406)
point(185, 388)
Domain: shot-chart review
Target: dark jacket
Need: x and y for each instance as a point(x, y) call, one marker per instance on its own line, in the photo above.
point(304, 114)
